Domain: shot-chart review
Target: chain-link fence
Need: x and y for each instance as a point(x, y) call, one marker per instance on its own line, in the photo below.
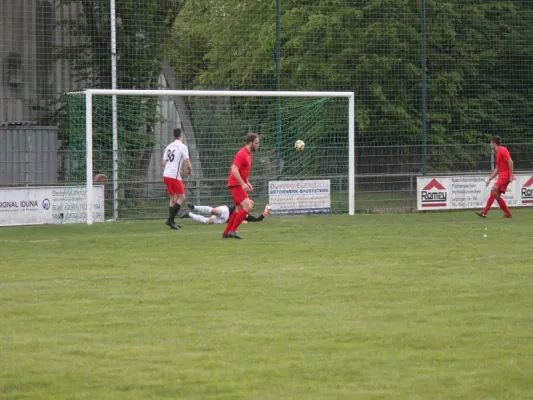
point(433, 79)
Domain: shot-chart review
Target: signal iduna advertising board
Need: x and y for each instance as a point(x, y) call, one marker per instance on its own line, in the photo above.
point(49, 205)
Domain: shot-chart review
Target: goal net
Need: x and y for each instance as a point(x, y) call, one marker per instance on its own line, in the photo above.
point(117, 137)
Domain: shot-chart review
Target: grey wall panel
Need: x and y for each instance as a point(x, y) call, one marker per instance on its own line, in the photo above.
point(28, 155)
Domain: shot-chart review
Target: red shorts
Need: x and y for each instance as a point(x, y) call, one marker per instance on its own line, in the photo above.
point(238, 194)
point(174, 186)
point(502, 184)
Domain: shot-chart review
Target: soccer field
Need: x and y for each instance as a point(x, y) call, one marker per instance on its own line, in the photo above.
point(405, 306)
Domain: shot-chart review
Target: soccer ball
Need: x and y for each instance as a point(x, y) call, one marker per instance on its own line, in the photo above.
point(299, 145)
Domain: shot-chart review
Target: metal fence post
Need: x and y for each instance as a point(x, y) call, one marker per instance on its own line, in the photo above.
point(424, 86)
point(27, 155)
point(197, 182)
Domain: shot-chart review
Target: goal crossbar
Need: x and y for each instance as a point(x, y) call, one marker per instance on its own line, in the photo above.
point(89, 93)
point(211, 93)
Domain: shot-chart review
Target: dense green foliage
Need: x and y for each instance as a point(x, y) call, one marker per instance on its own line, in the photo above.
point(479, 61)
point(142, 35)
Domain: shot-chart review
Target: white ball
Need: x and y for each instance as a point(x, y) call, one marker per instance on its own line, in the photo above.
point(299, 145)
point(485, 235)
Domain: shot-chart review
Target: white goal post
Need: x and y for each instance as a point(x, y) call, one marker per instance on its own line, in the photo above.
point(89, 93)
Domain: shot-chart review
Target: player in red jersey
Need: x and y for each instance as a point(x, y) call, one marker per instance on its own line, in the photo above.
point(239, 185)
point(505, 171)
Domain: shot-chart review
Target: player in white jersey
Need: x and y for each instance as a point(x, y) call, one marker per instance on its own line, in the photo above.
point(220, 214)
point(176, 154)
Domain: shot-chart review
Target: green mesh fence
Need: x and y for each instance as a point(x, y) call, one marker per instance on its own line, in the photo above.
point(477, 80)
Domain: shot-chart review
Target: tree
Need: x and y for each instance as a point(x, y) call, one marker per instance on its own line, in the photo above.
point(479, 84)
point(479, 62)
point(143, 31)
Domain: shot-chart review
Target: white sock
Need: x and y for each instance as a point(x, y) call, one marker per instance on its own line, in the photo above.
point(203, 209)
point(199, 218)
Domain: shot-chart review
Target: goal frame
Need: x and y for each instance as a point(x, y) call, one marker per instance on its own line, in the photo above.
point(89, 93)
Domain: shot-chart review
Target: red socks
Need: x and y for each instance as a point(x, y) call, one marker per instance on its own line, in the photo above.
point(230, 223)
point(489, 204)
point(504, 207)
point(239, 217)
point(501, 203)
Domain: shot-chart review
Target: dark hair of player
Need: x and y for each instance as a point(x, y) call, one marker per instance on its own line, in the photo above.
point(496, 140)
point(251, 137)
point(177, 133)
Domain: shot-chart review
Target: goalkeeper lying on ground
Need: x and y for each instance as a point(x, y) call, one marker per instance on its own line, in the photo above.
point(220, 214)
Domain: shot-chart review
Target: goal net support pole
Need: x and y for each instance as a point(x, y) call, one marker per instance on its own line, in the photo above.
point(89, 93)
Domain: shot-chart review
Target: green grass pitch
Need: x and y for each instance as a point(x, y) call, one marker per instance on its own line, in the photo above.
point(405, 306)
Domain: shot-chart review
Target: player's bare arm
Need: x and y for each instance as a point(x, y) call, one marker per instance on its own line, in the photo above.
point(189, 166)
point(250, 186)
point(163, 162)
point(237, 176)
point(511, 168)
point(492, 176)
